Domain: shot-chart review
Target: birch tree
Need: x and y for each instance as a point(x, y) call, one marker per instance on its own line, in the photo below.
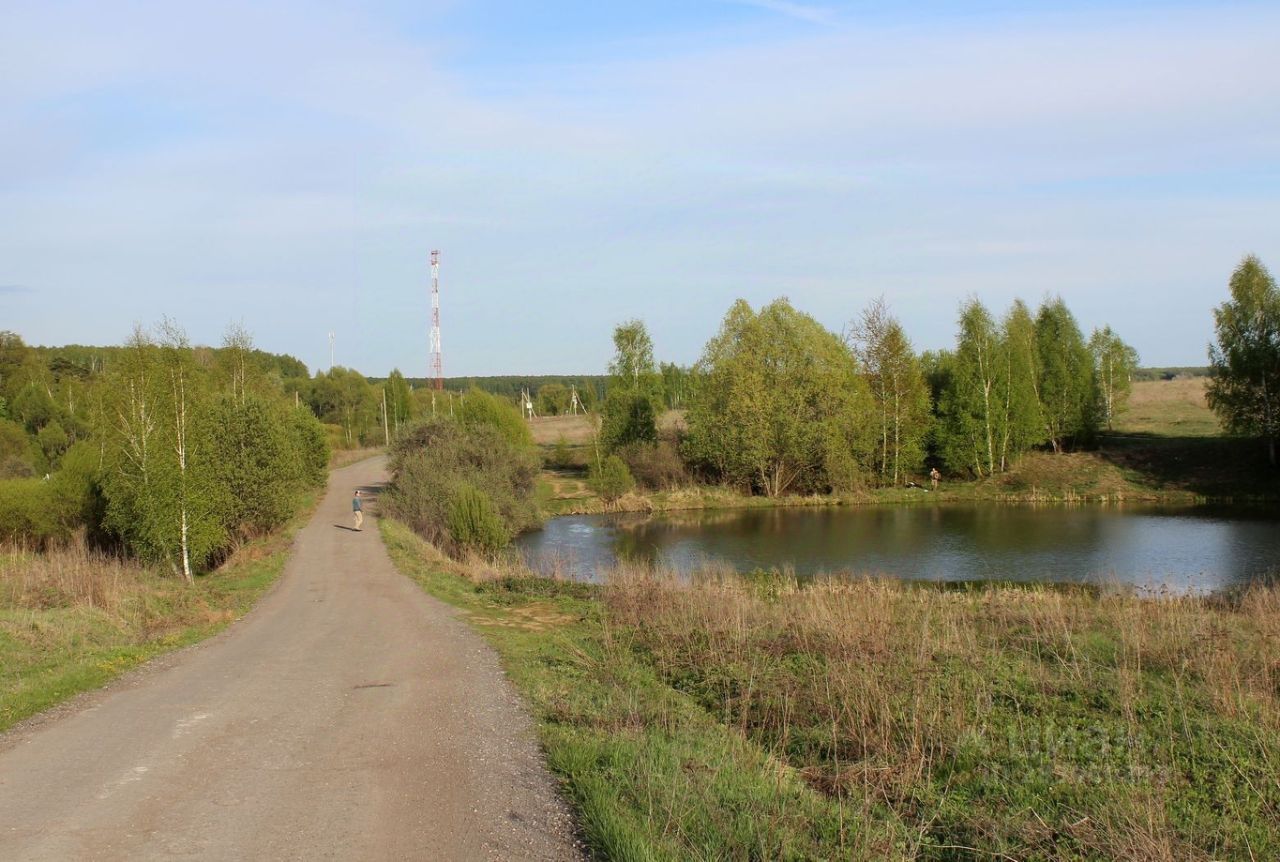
point(1066, 375)
point(1244, 389)
point(899, 393)
point(1113, 365)
point(970, 407)
point(1021, 423)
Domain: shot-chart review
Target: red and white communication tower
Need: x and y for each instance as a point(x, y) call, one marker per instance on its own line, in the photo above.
point(437, 362)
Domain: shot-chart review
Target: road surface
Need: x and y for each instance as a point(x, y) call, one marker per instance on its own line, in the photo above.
point(349, 716)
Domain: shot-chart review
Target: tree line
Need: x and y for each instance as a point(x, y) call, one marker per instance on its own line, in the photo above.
point(780, 404)
point(175, 453)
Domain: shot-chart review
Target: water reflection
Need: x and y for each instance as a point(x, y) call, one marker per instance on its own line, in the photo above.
point(1177, 549)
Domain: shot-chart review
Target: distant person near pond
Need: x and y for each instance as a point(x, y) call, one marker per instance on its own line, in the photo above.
point(357, 512)
point(934, 476)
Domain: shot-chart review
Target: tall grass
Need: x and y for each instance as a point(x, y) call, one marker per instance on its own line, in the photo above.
point(1024, 723)
point(65, 577)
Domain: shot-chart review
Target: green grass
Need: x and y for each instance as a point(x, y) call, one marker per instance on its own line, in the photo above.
point(756, 719)
point(53, 647)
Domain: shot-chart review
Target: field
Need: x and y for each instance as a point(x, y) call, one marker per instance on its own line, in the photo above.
point(1169, 408)
point(753, 718)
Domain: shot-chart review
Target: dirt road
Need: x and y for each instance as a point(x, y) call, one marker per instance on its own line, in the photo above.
point(350, 716)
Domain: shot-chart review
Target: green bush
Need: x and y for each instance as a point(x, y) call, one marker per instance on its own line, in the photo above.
point(35, 512)
point(27, 514)
point(479, 408)
point(311, 445)
point(474, 522)
point(19, 455)
point(610, 478)
point(628, 418)
point(561, 456)
point(431, 461)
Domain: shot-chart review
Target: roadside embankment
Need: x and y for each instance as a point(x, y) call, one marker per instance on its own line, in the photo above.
point(754, 717)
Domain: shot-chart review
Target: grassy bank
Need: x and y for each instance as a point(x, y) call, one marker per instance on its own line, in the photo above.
point(756, 719)
point(71, 620)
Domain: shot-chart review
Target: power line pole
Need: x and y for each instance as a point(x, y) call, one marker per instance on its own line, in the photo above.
point(331, 337)
point(437, 361)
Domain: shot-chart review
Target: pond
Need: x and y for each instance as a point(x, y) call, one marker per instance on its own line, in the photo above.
point(1180, 549)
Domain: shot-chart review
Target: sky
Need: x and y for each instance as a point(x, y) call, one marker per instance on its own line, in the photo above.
point(289, 166)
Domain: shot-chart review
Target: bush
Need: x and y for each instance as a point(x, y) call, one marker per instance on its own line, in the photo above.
point(27, 514)
point(19, 456)
point(611, 478)
point(479, 408)
point(561, 456)
point(39, 512)
point(656, 466)
point(312, 446)
point(432, 461)
point(474, 522)
point(628, 419)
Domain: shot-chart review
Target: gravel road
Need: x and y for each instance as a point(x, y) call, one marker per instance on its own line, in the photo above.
point(349, 716)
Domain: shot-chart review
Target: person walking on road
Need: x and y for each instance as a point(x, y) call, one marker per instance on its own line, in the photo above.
point(357, 511)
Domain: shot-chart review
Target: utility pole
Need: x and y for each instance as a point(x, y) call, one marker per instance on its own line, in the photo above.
point(331, 337)
point(437, 361)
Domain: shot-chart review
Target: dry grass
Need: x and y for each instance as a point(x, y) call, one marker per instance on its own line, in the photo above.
point(1173, 408)
point(66, 577)
point(1039, 723)
point(580, 430)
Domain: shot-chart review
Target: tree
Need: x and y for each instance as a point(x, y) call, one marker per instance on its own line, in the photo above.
point(158, 477)
point(1244, 387)
point(1113, 365)
point(633, 355)
point(898, 391)
point(192, 526)
point(553, 399)
point(1066, 375)
point(633, 396)
point(676, 385)
point(970, 407)
point(780, 405)
point(400, 402)
point(1018, 389)
point(343, 397)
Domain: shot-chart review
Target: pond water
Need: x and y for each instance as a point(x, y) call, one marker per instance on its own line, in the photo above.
point(1185, 549)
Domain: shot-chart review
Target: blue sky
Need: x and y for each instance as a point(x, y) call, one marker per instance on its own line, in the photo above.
point(290, 165)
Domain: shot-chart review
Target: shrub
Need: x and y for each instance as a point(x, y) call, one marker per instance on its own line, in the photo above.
point(656, 466)
point(611, 478)
point(474, 522)
point(433, 460)
point(479, 408)
point(19, 456)
point(628, 418)
point(312, 446)
point(27, 514)
point(561, 457)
